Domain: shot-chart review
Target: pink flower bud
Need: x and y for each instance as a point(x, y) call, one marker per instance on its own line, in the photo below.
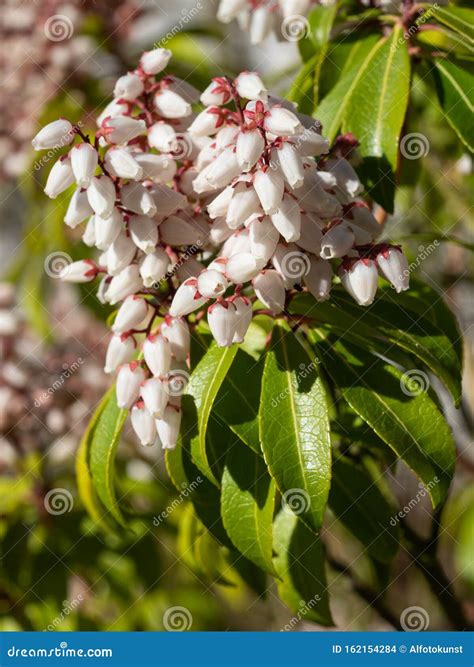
point(242, 267)
point(120, 254)
point(171, 105)
point(212, 284)
point(143, 424)
point(319, 278)
point(291, 165)
point(154, 267)
point(54, 135)
point(155, 396)
point(60, 178)
point(130, 314)
point(244, 204)
point(155, 167)
point(287, 219)
point(222, 320)
point(78, 210)
point(122, 129)
point(82, 271)
point(264, 237)
point(168, 427)
point(269, 186)
point(84, 160)
point(101, 195)
point(282, 122)
point(176, 331)
point(337, 241)
point(187, 299)
point(360, 280)
point(250, 145)
point(270, 289)
point(135, 197)
point(153, 62)
point(128, 87)
point(394, 267)
point(120, 351)
point(144, 233)
point(121, 163)
point(129, 379)
point(157, 354)
point(126, 283)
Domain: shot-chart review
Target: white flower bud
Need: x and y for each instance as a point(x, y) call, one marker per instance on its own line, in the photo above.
point(224, 168)
point(120, 254)
point(348, 182)
point(144, 233)
point(154, 267)
point(319, 278)
point(187, 299)
point(229, 9)
point(244, 204)
point(287, 219)
point(291, 165)
point(89, 237)
point(243, 317)
point(155, 167)
point(213, 96)
point(129, 379)
point(60, 178)
point(311, 234)
point(143, 424)
point(360, 280)
point(176, 331)
point(314, 199)
point(130, 314)
point(226, 136)
point(112, 110)
point(282, 122)
point(101, 195)
point(242, 267)
point(219, 232)
point(261, 24)
point(206, 123)
point(122, 129)
point(128, 87)
point(249, 148)
point(171, 105)
point(162, 137)
point(124, 284)
point(220, 205)
point(270, 289)
point(264, 237)
point(78, 210)
point(337, 241)
point(269, 186)
point(82, 271)
point(120, 351)
point(250, 86)
point(121, 163)
point(311, 143)
point(157, 354)
point(237, 243)
point(212, 284)
point(155, 396)
point(294, 7)
point(153, 62)
point(222, 320)
point(361, 218)
point(168, 427)
point(54, 135)
point(135, 197)
point(175, 231)
point(84, 160)
point(108, 229)
point(393, 266)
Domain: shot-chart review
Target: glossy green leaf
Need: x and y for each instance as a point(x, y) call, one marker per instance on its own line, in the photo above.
point(247, 503)
point(203, 387)
point(444, 39)
point(102, 449)
point(405, 418)
point(294, 426)
point(319, 24)
point(302, 90)
point(299, 561)
point(455, 88)
point(359, 504)
point(460, 19)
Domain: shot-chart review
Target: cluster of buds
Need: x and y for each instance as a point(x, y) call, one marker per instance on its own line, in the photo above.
point(285, 18)
point(211, 212)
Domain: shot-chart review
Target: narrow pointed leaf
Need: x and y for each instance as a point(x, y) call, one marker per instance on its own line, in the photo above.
point(455, 88)
point(460, 19)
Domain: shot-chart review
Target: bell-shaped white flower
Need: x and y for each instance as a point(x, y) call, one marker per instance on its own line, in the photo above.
point(318, 280)
point(135, 197)
point(162, 136)
point(155, 61)
point(219, 232)
point(82, 271)
point(229, 9)
point(261, 24)
point(187, 299)
point(287, 219)
point(222, 320)
point(122, 129)
point(89, 237)
point(112, 110)
point(143, 424)
point(314, 199)
point(282, 122)
point(119, 162)
point(311, 143)
point(269, 186)
point(337, 241)
point(176, 330)
point(215, 94)
point(291, 263)
point(206, 123)
point(120, 351)
point(54, 135)
point(250, 86)
point(84, 160)
point(264, 237)
point(101, 195)
point(129, 379)
point(168, 427)
point(226, 136)
point(348, 183)
point(224, 168)
point(394, 267)
point(171, 105)
point(291, 165)
point(361, 218)
point(159, 168)
point(78, 210)
point(128, 87)
point(235, 244)
point(212, 284)
point(120, 254)
point(154, 267)
point(124, 284)
point(108, 229)
point(220, 205)
point(360, 280)
point(243, 317)
point(249, 148)
point(130, 314)
point(157, 354)
point(60, 178)
point(244, 204)
point(270, 289)
point(144, 233)
point(155, 396)
point(242, 267)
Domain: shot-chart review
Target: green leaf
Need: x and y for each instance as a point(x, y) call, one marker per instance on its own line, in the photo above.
point(302, 90)
point(294, 426)
point(376, 111)
point(203, 387)
point(247, 502)
point(441, 38)
point(459, 19)
point(320, 22)
point(359, 504)
point(332, 109)
point(455, 88)
point(299, 562)
point(103, 446)
point(408, 421)
point(238, 399)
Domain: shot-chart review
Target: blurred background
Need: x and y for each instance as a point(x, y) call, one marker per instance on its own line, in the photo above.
point(56, 570)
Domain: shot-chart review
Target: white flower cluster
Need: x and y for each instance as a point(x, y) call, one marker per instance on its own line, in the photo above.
point(206, 211)
point(260, 18)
